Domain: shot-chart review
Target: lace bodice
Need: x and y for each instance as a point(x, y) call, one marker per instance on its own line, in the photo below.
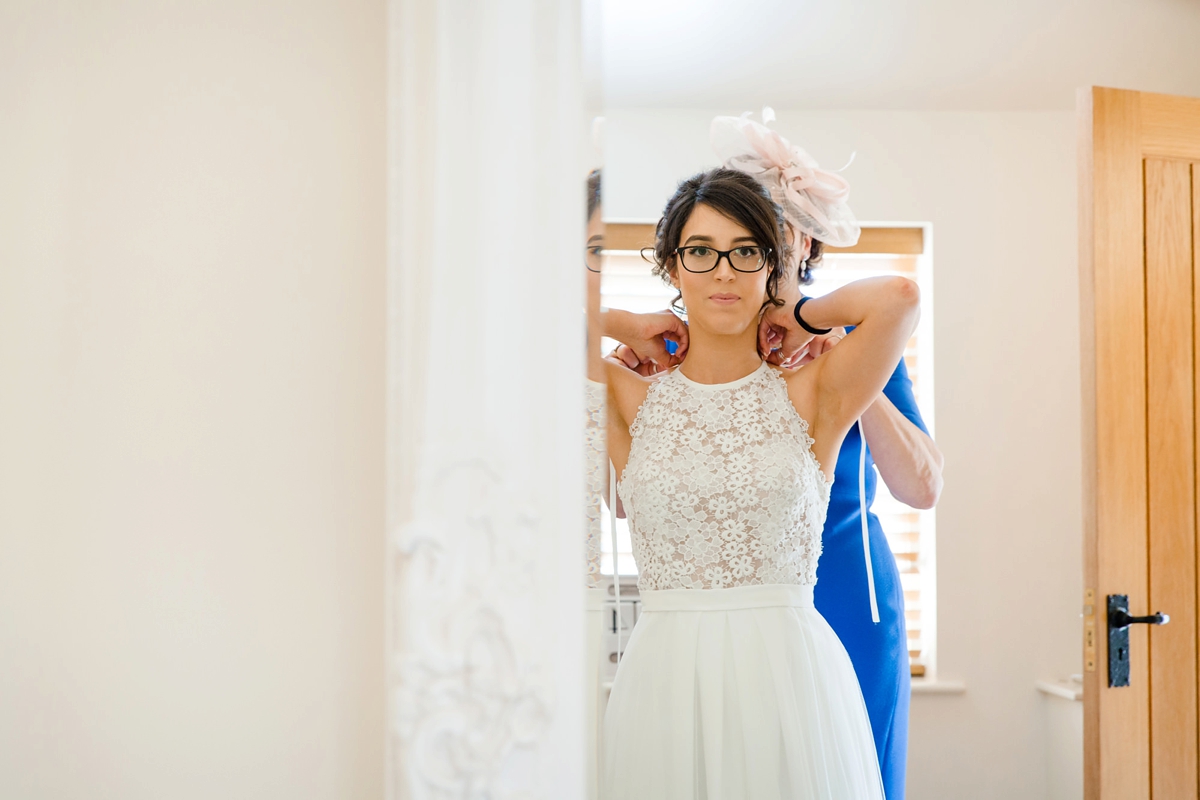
point(596, 469)
point(721, 487)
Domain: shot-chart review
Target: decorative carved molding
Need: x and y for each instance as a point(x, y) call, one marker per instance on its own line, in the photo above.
point(470, 688)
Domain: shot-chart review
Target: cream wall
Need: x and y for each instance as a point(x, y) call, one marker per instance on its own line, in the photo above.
point(192, 276)
point(999, 190)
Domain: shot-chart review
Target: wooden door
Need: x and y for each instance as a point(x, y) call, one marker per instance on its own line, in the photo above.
point(1139, 226)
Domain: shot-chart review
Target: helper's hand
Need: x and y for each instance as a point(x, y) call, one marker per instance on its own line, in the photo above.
point(647, 335)
point(624, 354)
point(781, 341)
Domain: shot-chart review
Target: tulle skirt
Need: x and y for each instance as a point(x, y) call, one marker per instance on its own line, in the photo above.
point(736, 694)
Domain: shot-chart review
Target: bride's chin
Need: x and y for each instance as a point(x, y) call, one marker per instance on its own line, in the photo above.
point(724, 324)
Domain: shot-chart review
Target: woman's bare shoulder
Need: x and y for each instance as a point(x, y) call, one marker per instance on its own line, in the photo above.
point(801, 386)
point(627, 389)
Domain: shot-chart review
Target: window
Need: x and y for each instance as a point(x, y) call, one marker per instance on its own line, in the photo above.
point(882, 250)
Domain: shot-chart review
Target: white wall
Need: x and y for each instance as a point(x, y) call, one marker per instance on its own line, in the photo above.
point(192, 276)
point(999, 190)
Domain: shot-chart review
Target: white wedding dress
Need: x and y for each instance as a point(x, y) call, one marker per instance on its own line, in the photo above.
point(732, 687)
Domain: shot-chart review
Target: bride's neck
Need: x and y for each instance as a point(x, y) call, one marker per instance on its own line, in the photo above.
point(720, 358)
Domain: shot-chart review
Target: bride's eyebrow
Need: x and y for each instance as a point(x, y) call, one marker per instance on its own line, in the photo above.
point(700, 237)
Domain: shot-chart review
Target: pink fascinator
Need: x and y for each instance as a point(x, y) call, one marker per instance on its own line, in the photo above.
point(813, 199)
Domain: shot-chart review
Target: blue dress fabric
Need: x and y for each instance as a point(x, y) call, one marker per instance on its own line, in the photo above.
point(879, 651)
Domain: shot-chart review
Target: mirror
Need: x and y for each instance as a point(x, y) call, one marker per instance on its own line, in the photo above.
point(596, 478)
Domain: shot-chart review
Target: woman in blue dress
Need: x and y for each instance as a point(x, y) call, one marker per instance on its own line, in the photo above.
point(866, 607)
point(858, 587)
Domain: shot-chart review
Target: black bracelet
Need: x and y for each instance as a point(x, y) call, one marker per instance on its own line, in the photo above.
point(805, 325)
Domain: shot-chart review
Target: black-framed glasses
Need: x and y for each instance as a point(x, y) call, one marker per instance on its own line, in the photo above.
point(702, 258)
point(593, 258)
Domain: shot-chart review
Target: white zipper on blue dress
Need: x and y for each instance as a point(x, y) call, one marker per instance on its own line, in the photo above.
point(862, 514)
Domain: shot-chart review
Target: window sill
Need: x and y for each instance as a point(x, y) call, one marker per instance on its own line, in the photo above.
point(1067, 689)
point(932, 686)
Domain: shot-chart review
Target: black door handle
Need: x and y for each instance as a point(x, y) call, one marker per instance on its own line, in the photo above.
point(1119, 621)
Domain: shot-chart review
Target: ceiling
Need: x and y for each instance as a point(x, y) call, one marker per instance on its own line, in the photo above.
point(941, 55)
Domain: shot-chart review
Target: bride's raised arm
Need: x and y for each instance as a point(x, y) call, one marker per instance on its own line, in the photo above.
point(834, 391)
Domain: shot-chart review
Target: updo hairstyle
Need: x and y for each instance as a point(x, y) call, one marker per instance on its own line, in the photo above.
point(740, 198)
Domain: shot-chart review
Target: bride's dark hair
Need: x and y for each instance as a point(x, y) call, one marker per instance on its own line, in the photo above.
point(737, 196)
point(593, 192)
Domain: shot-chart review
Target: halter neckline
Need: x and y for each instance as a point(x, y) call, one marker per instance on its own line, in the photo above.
point(762, 365)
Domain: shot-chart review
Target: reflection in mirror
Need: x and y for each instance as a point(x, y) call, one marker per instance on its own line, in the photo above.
point(595, 449)
point(632, 298)
point(596, 478)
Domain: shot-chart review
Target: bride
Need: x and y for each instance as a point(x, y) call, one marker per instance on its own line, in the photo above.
point(733, 686)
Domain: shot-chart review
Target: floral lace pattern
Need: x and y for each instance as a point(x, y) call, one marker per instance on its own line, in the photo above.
point(595, 455)
point(721, 488)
